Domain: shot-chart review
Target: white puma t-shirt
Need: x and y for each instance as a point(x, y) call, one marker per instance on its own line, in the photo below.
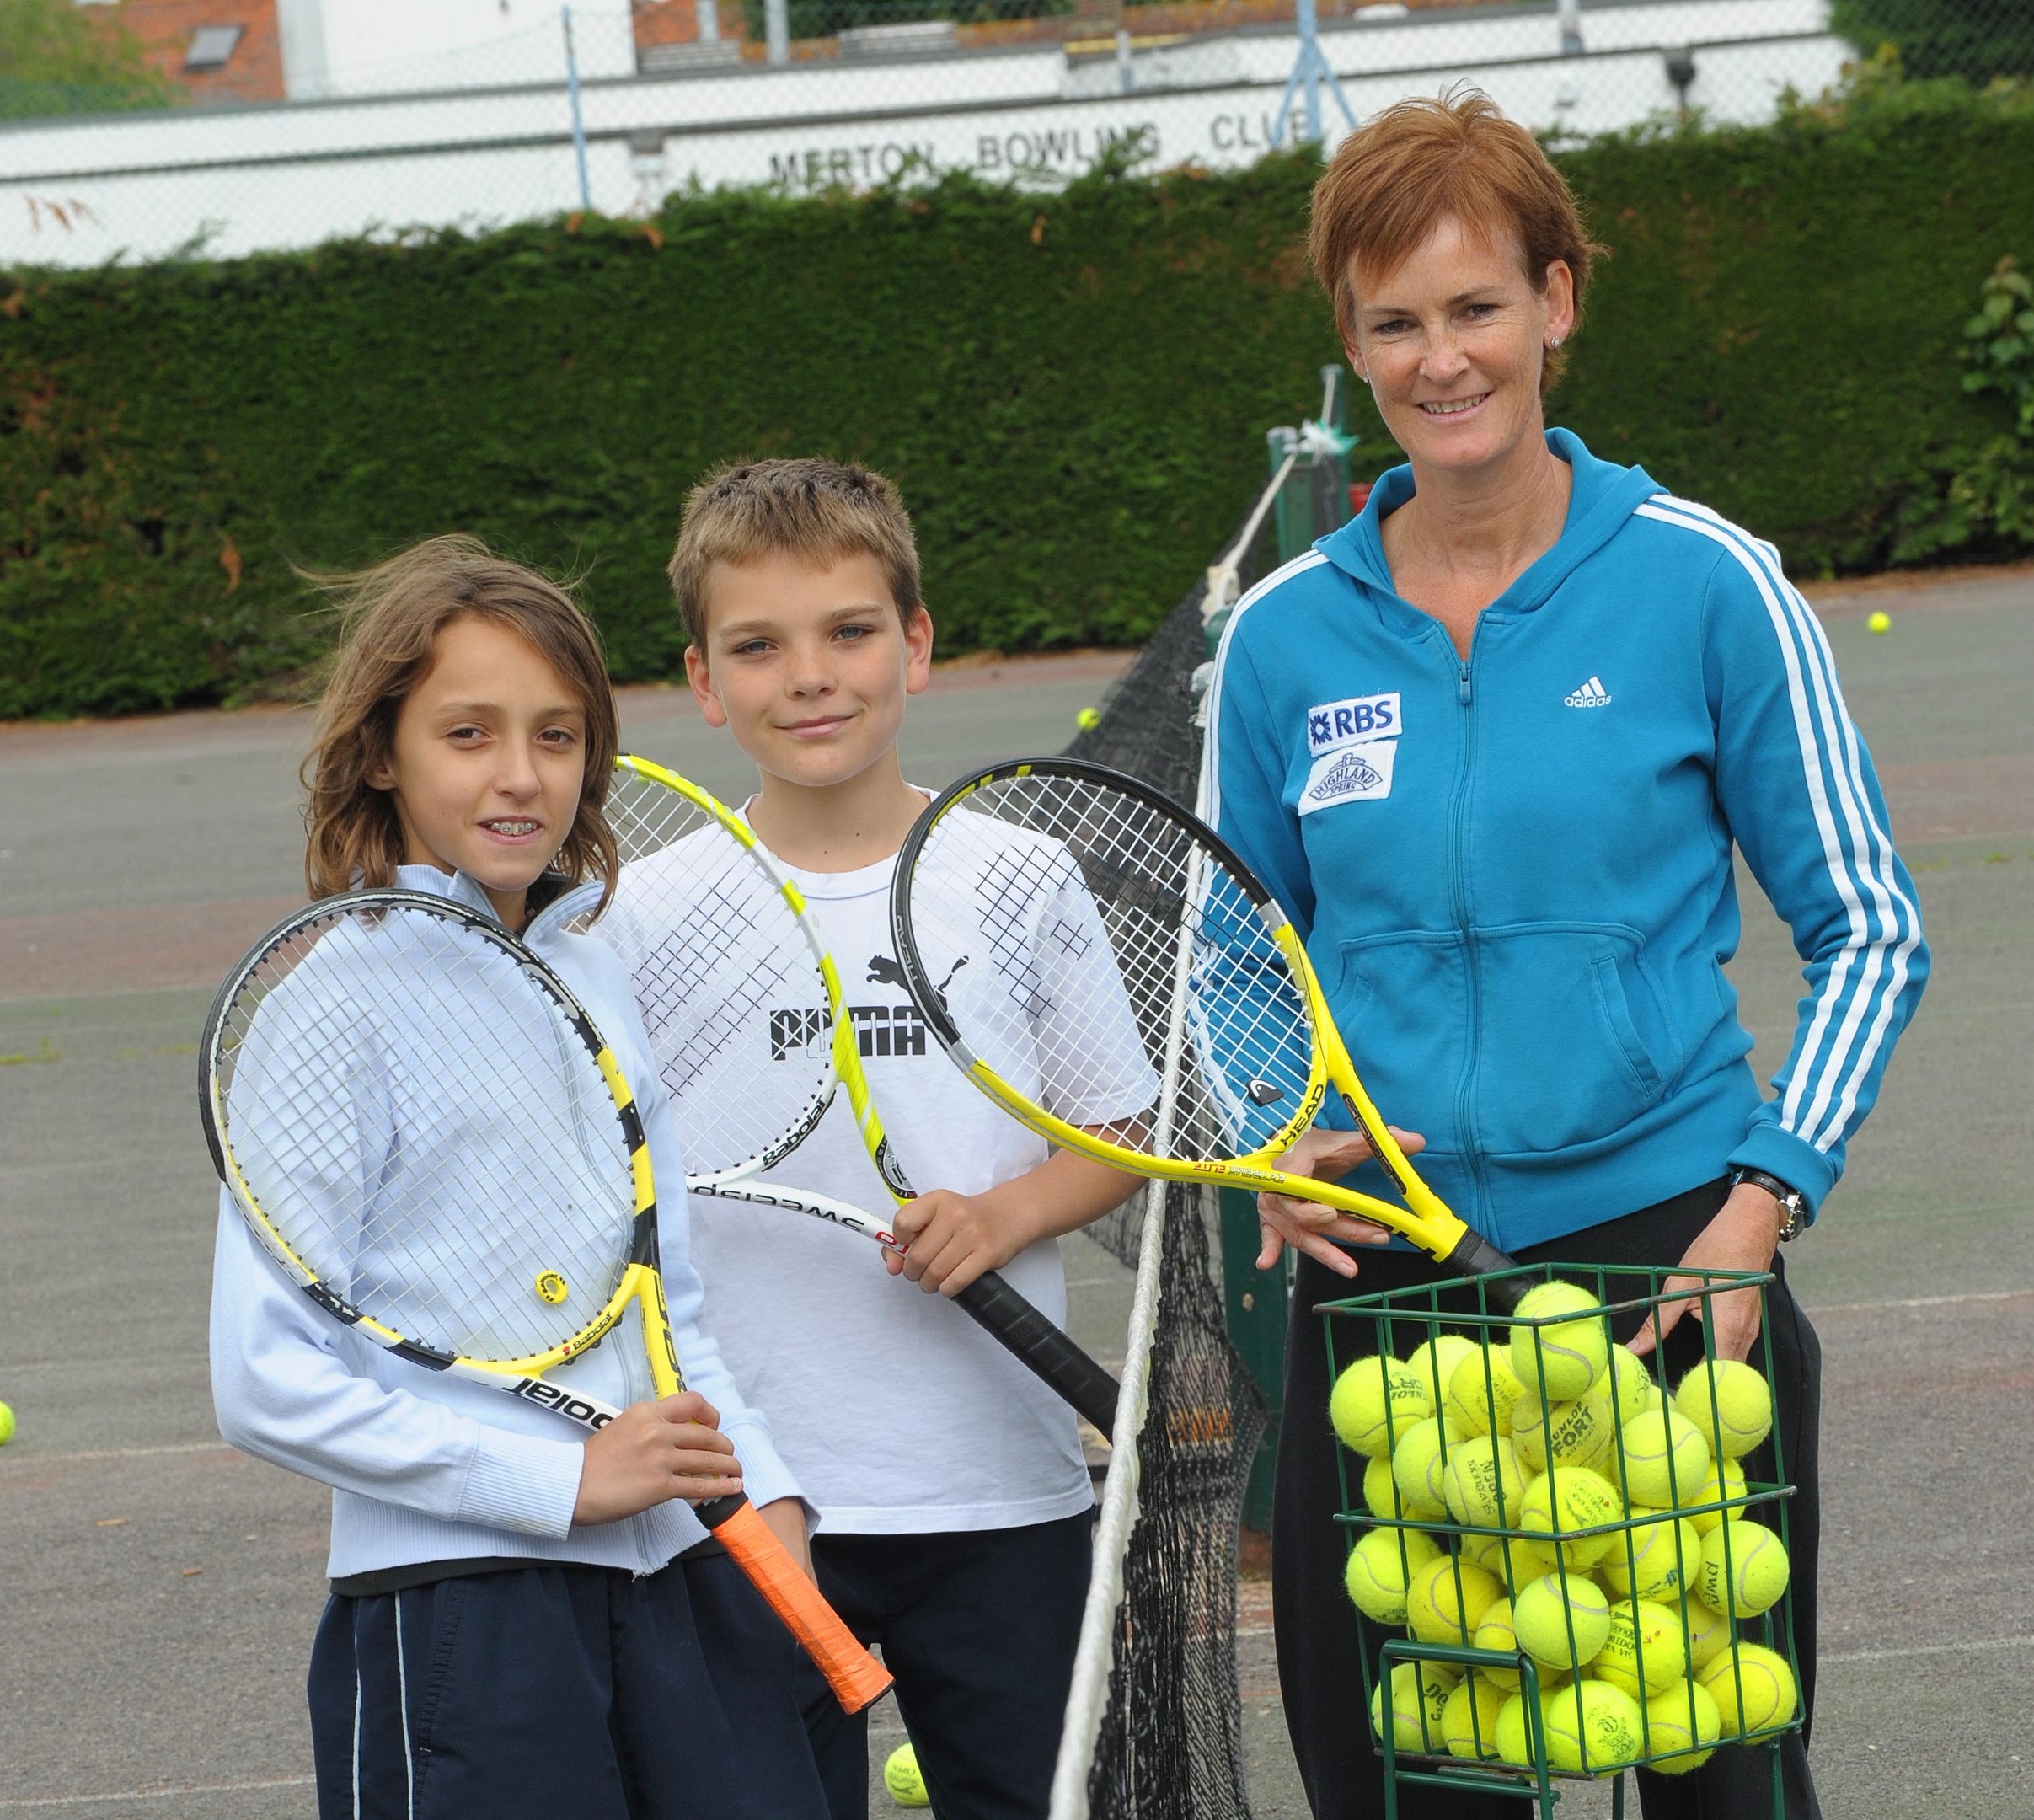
point(895, 1411)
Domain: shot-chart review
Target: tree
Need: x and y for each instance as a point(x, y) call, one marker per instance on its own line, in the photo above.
point(58, 58)
point(1978, 39)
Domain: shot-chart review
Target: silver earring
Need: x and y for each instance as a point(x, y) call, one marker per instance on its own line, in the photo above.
point(1554, 343)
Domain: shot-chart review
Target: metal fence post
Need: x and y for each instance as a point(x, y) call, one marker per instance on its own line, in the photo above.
point(579, 124)
point(707, 14)
point(777, 30)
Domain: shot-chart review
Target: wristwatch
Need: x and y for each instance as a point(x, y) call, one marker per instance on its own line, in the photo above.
point(1793, 1209)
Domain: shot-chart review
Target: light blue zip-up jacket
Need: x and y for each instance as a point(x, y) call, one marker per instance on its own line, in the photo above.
point(425, 1467)
point(1513, 873)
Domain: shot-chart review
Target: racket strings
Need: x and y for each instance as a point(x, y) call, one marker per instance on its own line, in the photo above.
point(731, 995)
point(420, 1123)
point(1187, 953)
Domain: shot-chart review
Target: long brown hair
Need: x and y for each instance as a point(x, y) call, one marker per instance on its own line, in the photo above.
point(391, 616)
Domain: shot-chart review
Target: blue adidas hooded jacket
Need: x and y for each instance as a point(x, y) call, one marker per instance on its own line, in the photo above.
point(1513, 874)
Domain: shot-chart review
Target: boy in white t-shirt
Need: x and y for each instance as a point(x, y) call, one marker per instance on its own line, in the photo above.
point(954, 1505)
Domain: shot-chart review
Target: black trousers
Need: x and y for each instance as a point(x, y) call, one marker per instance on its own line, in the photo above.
point(554, 1690)
point(1322, 1639)
point(979, 1627)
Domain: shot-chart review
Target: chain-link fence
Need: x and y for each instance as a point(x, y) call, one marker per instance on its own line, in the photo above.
point(611, 105)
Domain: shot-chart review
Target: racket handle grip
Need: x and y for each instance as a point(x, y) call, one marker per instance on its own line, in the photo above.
point(857, 1677)
point(1018, 1327)
point(1475, 1255)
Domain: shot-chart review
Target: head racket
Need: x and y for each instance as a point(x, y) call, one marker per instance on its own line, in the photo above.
point(422, 1126)
point(750, 1030)
point(1226, 1003)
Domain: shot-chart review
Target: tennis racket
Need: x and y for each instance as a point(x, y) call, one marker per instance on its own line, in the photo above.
point(753, 1036)
point(1226, 1004)
point(422, 1126)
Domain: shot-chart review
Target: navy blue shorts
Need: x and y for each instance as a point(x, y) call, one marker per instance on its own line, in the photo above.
point(979, 1627)
point(559, 1690)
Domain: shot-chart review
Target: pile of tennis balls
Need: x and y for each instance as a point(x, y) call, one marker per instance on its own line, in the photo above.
point(1637, 1642)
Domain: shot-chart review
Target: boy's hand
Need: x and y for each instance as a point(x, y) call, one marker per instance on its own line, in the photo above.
point(652, 1453)
point(954, 1238)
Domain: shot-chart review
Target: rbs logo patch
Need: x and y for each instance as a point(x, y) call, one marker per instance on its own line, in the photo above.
point(1332, 724)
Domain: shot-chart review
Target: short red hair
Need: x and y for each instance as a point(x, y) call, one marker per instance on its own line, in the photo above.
point(1421, 162)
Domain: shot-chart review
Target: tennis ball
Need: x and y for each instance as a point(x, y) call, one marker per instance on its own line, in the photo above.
point(1682, 1718)
point(1380, 1492)
point(1494, 1632)
point(1594, 1726)
point(1654, 1558)
point(1379, 1568)
point(1419, 1696)
point(1482, 1391)
point(1374, 1401)
point(1573, 1354)
point(1417, 1464)
point(1435, 1362)
point(1730, 1405)
point(901, 1778)
point(1512, 1558)
point(1447, 1598)
point(1643, 1653)
point(1514, 1736)
point(1567, 1499)
point(1482, 1482)
point(1630, 1385)
point(1752, 1687)
point(1579, 1433)
point(1706, 1633)
point(6, 1425)
point(1469, 1719)
point(1087, 717)
point(1663, 1458)
point(1879, 622)
point(1562, 1620)
point(1744, 1569)
point(1724, 1480)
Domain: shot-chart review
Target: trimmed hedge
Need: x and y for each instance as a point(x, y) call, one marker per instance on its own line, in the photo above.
point(1071, 388)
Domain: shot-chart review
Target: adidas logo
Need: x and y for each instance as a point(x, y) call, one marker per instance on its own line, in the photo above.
point(1348, 773)
point(1591, 694)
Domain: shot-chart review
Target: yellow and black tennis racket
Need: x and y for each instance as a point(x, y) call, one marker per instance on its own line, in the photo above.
point(422, 1126)
point(988, 911)
point(743, 1005)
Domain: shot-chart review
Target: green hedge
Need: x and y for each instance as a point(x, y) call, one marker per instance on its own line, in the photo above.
point(1071, 389)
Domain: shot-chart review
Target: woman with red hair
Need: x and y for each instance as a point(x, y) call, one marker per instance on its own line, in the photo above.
point(1492, 744)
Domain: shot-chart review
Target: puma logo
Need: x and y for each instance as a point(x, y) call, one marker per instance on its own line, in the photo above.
point(885, 971)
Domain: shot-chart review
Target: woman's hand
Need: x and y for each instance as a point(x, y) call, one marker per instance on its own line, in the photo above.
point(1741, 1237)
point(652, 1453)
point(1284, 1220)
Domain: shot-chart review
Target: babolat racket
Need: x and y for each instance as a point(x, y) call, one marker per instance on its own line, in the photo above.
point(988, 913)
point(752, 1035)
point(423, 1127)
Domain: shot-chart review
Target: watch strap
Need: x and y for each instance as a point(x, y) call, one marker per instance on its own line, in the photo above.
point(1793, 1208)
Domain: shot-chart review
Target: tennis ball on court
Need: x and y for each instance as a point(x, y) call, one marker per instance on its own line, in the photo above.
point(1416, 1463)
point(1494, 1632)
point(1744, 1569)
point(1562, 1620)
point(1729, 1403)
point(1447, 1598)
point(1724, 1479)
point(1380, 1493)
point(1682, 1718)
point(1879, 622)
point(1643, 1653)
point(6, 1425)
point(1469, 1720)
point(1573, 1354)
point(1752, 1687)
point(1653, 1558)
point(901, 1778)
point(1482, 1482)
point(1481, 1392)
point(1379, 1568)
point(1630, 1385)
point(1663, 1458)
point(1419, 1695)
point(1087, 717)
point(1594, 1726)
point(1436, 1362)
point(1706, 1633)
point(1568, 1499)
point(1374, 1401)
point(1578, 1433)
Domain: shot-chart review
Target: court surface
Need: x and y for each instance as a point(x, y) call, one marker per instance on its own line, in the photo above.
point(157, 1591)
